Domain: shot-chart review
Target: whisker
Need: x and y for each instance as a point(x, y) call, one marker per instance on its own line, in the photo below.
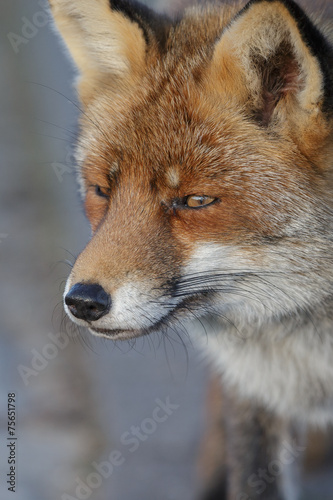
point(93, 122)
point(71, 133)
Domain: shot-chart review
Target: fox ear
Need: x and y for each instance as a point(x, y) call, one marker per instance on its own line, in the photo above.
point(276, 62)
point(107, 40)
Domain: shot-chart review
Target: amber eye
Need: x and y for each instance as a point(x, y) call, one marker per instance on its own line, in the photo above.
point(195, 201)
point(102, 191)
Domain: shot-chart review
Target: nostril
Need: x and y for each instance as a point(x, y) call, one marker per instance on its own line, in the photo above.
point(88, 302)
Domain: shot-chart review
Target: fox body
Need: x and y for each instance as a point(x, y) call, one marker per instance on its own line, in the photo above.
point(206, 169)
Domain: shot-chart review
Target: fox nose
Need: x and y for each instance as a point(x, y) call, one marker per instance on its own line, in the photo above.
point(88, 302)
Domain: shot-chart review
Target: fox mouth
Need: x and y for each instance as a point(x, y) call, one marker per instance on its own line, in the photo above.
point(123, 334)
point(164, 322)
point(118, 334)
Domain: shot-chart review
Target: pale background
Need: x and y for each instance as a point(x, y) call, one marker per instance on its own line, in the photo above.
point(73, 408)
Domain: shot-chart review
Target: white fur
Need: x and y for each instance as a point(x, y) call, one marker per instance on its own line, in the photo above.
point(281, 365)
point(287, 375)
point(133, 308)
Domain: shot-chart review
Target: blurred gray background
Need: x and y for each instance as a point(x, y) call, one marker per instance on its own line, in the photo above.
point(78, 398)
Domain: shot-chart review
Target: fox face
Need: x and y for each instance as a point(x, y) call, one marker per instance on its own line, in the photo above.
point(205, 165)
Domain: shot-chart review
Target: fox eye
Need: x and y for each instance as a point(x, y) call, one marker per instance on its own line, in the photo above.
point(195, 201)
point(102, 191)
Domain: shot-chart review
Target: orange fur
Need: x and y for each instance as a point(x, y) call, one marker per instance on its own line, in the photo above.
point(234, 107)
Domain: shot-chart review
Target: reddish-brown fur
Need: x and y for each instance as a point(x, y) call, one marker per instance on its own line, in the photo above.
point(234, 108)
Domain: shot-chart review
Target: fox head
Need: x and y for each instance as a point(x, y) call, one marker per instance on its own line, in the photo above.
point(204, 161)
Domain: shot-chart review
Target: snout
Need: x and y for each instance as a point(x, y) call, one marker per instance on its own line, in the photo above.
point(88, 302)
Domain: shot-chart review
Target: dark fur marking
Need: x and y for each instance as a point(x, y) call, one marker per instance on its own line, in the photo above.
point(153, 25)
point(153, 185)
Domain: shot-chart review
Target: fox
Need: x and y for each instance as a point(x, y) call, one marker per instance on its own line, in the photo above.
point(205, 166)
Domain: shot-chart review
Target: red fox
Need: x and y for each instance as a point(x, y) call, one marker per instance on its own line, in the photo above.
point(205, 162)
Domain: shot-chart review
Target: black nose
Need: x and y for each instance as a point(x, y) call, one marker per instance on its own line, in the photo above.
point(88, 302)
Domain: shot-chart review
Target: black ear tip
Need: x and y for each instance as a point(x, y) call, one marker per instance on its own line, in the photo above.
point(154, 26)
